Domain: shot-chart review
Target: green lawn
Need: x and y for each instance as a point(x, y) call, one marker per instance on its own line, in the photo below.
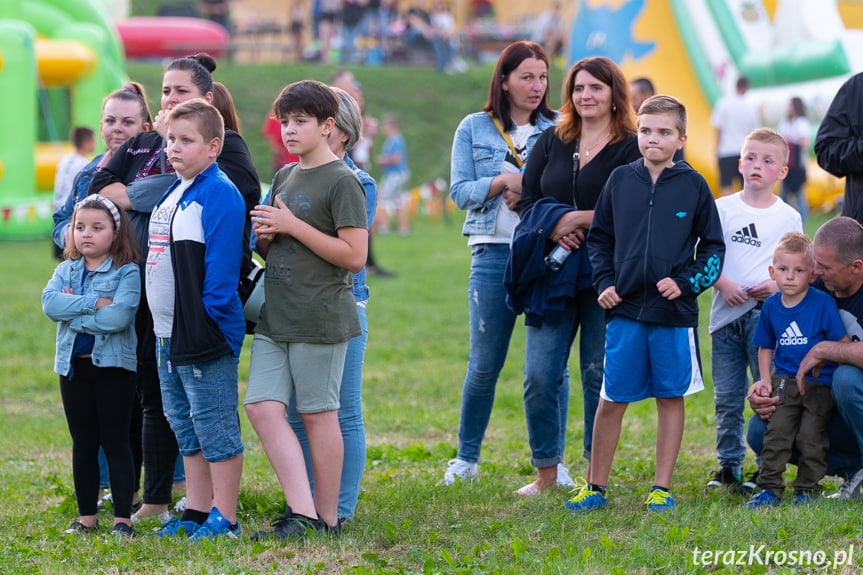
point(414, 369)
point(405, 522)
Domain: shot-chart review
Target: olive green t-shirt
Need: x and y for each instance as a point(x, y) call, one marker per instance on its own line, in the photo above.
point(309, 299)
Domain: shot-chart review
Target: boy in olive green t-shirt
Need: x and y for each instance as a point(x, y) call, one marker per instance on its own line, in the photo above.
point(312, 236)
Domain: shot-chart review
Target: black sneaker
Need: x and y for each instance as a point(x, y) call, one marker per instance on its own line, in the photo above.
point(78, 527)
point(724, 478)
point(123, 530)
point(292, 526)
point(748, 486)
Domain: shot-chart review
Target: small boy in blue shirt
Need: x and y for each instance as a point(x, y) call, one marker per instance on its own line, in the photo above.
point(792, 321)
point(651, 217)
point(394, 167)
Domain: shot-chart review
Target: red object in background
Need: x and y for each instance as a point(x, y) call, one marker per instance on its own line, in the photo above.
point(272, 132)
point(171, 37)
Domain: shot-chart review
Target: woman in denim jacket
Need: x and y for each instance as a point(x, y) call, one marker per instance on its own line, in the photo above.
point(488, 152)
point(93, 296)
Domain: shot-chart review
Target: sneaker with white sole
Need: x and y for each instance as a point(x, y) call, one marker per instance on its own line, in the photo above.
point(749, 485)
point(161, 518)
point(563, 477)
point(459, 470)
point(852, 488)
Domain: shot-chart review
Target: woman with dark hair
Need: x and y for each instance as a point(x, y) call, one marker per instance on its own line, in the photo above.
point(224, 103)
point(488, 152)
point(796, 129)
point(567, 169)
point(143, 156)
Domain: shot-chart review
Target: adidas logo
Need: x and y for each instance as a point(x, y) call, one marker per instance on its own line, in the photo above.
point(747, 235)
point(793, 336)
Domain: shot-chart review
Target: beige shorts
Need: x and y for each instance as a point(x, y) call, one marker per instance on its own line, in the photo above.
point(311, 371)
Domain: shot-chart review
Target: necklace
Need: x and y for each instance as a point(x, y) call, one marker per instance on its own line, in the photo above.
point(586, 149)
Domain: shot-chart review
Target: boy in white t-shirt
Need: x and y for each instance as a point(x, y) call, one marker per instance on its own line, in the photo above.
point(753, 221)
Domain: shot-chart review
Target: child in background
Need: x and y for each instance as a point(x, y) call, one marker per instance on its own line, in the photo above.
point(651, 217)
point(394, 165)
point(93, 296)
point(193, 268)
point(313, 234)
point(84, 140)
point(753, 220)
point(791, 323)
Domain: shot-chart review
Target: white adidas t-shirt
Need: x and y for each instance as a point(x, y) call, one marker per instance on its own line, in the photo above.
point(750, 235)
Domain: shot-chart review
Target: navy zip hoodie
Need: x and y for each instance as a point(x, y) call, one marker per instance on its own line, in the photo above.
point(643, 232)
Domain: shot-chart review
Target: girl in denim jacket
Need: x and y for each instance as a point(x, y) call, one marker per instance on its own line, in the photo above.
point(93, 296)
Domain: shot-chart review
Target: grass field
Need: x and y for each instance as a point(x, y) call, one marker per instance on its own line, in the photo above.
point(414, 369)
point(405, 523)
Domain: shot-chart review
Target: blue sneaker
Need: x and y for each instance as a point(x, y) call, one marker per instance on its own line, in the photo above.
point(585, 498)
point(216, 525)
point(659, 500)
point(763, 498)
point(173, 526)
point(803, 498)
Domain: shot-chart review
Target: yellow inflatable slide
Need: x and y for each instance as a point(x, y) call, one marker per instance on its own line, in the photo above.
point(696, 49)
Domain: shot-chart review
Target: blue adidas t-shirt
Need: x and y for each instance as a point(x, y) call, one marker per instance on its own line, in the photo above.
point(792, 332)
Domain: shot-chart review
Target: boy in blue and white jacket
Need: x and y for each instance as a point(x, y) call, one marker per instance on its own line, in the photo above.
point(193, 268)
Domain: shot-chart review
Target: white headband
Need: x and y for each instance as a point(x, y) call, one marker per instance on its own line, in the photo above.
point(115, 213)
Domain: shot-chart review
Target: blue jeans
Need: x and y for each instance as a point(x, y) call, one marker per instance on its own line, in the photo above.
point(491, 325)
point(443, 51)
point(846, 426)
point(546, 384)
point(201, 403)
point(732, 353)
point(349, 43)
point(350, 421)
point(800, 201)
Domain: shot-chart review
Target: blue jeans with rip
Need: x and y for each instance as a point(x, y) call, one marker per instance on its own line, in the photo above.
point(731, 354)
point(546, 383)
point(350, 421)
point(491, 325)
point(845, 430)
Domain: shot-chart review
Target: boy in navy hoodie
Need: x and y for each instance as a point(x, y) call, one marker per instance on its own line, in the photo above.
point(651, 217)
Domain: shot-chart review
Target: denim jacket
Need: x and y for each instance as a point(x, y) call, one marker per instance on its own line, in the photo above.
point(478, 152)
point(113, 325)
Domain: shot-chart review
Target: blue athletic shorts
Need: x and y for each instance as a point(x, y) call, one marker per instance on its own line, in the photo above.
point(648, 360)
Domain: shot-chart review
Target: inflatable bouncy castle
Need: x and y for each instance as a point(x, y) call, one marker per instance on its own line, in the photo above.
point(696, 49)
point(58, 58)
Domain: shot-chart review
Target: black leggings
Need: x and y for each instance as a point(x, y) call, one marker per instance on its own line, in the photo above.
point(98, 403)
point(159, 444)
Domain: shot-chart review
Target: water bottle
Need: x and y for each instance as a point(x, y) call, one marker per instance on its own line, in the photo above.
point(554, 260)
